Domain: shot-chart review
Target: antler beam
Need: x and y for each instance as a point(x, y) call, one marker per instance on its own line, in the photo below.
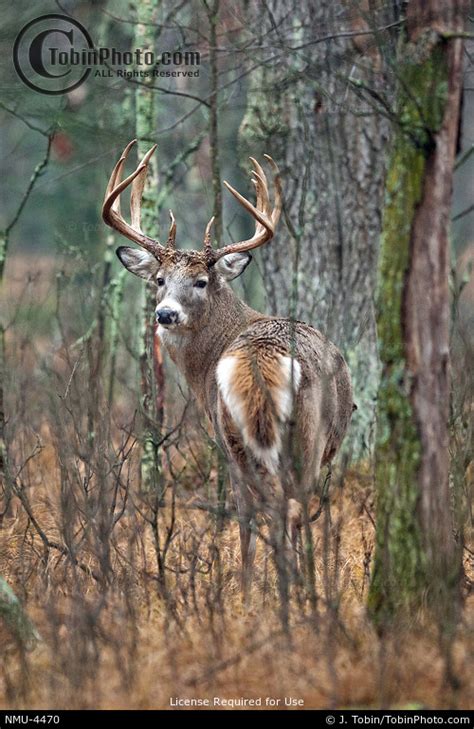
point(111, 212)
point(266, 219)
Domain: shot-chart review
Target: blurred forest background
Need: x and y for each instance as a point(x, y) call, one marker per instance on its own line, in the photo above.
point(119, 553)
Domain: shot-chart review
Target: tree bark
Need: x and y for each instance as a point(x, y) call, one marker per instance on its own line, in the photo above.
point(416, 554)
point(212, 9)
point(330, 148)
point(151, 363)
point(14, 616)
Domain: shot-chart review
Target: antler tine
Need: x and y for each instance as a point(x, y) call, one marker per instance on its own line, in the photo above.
point(266, 219)
point(136, 194)
point(276, 212)
point(257, 214)
point(111, 207)
point(259, 181)
point(258, 192)
point(171, 242)
point(208, 249)
point(117, 171)
point(263, 200)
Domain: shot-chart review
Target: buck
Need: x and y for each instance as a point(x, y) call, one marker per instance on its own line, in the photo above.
point(259, 378)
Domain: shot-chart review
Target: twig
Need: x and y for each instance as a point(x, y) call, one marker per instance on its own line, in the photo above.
point(463, 157)
point(36, 173)
point(14, 113)
point(48, 543)
point(324, 497)
point(463, 213)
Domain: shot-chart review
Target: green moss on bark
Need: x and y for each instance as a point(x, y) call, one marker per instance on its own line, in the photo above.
point(400, 570)
point(146, 123)
point(16, 619)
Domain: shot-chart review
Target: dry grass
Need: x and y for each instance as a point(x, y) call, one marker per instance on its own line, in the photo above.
point(128, 648)
point(119, 628)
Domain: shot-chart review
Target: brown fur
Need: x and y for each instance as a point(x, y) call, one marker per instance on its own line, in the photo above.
point(232, 435)
point(256, 377)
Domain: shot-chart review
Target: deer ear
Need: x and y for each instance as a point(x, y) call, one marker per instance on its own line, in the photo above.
point(141, 263)
point(233, 265)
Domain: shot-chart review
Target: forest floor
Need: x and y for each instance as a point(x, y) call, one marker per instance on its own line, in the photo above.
point(138, 612)
point(123, 645)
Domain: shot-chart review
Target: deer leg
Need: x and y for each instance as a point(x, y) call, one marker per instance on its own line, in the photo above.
point(294, 522)
point(280, 554)
point(248, 537)
point(248, 543)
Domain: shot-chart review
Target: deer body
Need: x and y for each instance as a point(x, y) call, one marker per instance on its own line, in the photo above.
point(252, 374)
point(292, 361)
point(277, 392)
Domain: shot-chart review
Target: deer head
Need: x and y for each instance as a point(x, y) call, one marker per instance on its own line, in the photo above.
point(186, 280)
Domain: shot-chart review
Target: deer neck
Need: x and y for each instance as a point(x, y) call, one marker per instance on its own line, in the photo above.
point(196, 353)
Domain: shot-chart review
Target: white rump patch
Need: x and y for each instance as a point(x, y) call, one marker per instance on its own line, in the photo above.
point(292, 373)
point(224, 374)
point(283, 400)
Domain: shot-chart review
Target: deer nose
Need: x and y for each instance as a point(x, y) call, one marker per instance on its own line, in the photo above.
point(166, 315)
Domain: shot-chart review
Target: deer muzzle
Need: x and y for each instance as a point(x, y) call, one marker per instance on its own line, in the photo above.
point(167, 316)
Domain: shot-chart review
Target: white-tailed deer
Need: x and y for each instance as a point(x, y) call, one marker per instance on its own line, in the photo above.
point(259, 378)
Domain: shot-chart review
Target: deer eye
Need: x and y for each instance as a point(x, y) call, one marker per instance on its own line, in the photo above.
point(200, 284)
point(160, 281)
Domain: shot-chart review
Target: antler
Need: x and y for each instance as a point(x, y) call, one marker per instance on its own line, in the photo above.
point(111, 213)
point(266, 219)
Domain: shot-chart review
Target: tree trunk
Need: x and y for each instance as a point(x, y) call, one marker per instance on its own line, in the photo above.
point(301, 110)
point(212, 9)
point(152, 372)
point(416, 554)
